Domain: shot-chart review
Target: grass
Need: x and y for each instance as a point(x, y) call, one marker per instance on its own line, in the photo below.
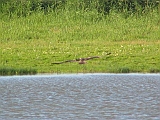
point(13, 71)
point(33, 42)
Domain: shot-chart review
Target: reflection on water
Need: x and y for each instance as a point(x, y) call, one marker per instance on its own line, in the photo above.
point(83, 96)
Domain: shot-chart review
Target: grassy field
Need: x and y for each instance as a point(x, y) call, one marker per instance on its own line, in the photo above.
point(33, 42)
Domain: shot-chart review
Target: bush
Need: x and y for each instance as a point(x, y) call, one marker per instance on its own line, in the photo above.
point(26, 7)
point(131, 6)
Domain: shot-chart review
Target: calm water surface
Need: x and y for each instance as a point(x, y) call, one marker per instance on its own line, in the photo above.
point(80, 97)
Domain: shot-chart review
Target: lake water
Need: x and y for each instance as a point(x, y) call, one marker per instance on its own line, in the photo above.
point(80, 97)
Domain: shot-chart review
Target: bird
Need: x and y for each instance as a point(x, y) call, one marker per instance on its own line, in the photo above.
point(79, 60)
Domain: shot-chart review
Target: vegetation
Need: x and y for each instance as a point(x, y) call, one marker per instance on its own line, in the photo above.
point(13, 71)
point(35, 34)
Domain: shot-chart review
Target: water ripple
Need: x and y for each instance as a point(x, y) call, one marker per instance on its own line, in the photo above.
point(89, 96)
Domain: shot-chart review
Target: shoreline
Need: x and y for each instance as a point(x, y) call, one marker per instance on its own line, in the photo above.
point(80, 74)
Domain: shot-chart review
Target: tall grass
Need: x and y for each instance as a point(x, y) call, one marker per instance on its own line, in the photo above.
point(16, 71)
point(26, 7)
point(80, 25)
point(33, 38)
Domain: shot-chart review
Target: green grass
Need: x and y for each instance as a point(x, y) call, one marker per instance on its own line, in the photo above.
point(35, 41)
point(17, 71)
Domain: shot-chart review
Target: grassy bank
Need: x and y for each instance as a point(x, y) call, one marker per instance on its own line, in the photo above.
point(35, 41)
point(16, 71)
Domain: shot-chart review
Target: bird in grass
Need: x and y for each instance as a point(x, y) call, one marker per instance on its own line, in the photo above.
point(79, 60)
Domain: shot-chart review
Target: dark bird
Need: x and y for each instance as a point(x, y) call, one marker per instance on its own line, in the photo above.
point(79, 60)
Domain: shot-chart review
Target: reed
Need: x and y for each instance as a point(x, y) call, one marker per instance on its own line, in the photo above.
point(16, 71)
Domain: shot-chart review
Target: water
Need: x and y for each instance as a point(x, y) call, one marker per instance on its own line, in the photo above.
point(80, 97)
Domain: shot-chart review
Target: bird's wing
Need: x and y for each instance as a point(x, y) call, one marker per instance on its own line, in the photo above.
point(91, 57)
point(63, 62)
